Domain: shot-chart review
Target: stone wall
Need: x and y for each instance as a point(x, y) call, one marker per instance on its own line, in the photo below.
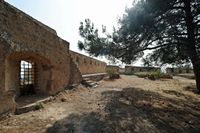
point(75, 77)
point(27, 39)
point(7, 102)
point(24, 38)
point(122, 70)
point(88, 65)
point(134, 69)
point(178, 70)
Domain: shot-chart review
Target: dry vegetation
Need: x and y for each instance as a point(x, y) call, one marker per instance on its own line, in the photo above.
point(128, 104)
point(154, 75)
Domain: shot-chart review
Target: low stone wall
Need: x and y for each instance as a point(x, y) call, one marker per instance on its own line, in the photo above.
point(88, 65)
point(122, 70)
point(95, 77)
point(179, 70)
point(134, 69)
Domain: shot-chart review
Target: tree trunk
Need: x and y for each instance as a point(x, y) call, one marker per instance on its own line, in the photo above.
point(196, 69)
point(191, 43)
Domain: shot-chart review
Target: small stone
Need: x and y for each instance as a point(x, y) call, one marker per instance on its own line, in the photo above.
point(63, 99)
point(48, 125)
point(52, 119)
point(191, 122)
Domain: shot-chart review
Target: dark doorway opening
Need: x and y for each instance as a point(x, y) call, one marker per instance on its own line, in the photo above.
point(27, 77)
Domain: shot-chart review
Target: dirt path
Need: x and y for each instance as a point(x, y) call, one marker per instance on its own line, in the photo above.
point(129, 104)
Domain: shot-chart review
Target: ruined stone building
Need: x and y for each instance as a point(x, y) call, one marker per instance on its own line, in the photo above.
point(134, 69)
point(34, 59)
point(179, 70)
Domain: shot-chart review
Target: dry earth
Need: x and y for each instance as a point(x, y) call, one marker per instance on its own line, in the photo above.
point(129, 104)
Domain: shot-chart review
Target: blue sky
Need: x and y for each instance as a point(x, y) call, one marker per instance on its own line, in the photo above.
point(65, 15)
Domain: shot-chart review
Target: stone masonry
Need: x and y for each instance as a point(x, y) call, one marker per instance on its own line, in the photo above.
point(135, 69)
point(88, 65)
point(24, 38)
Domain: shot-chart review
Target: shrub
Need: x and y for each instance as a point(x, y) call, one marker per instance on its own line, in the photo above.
point(167, 76)
point(38, 106)
point(130, 73)
point(113, 74)
point(154, 75)
point(142, 74)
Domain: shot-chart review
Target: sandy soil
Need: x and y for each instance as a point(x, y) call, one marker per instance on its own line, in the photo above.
point(129, 104)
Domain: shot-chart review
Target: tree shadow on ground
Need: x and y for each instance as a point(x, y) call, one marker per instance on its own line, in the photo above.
point(136, 110)
point(191, 88)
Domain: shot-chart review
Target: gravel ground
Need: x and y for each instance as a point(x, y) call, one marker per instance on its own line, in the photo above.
point(129, 104)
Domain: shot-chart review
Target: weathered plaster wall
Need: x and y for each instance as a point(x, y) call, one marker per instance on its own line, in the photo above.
point(88, 65)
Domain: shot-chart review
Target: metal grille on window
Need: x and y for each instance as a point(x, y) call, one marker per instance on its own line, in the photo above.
point(27, 73)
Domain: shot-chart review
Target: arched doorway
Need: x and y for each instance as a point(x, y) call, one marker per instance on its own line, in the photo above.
point(28, 73)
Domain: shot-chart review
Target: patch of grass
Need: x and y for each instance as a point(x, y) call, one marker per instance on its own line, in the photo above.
point(142, 74)
point(39, 106)
point(131, 73)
